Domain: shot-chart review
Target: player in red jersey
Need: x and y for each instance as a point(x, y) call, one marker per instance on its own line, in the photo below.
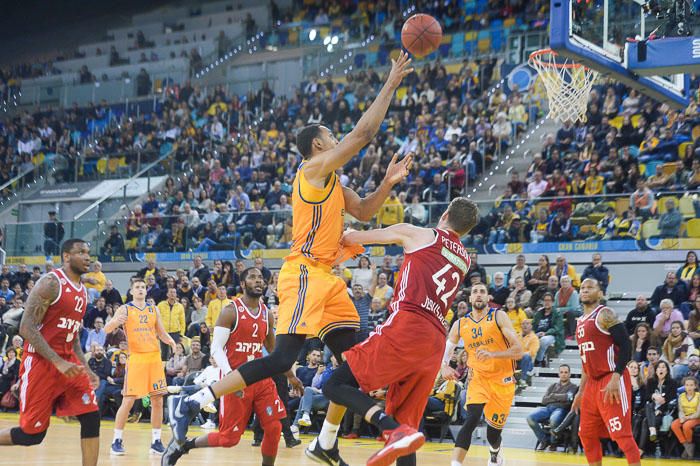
point(606, 390)
point(242, 330)
point(405, 352)
point(54, 373)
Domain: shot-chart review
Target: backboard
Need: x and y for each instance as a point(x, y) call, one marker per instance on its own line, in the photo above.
point(603, 35)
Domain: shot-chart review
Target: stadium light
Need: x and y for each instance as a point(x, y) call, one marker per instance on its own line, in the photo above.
point(327, 41)
point(334, 40)
point(312, 35)
point(329, 47)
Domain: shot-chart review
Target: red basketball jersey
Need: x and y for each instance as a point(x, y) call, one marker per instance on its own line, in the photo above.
point(62, 321)
point(596, 346)
point(430, 276)
point(246, 340)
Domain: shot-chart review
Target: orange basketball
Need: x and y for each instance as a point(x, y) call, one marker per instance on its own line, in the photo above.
point(421, 35)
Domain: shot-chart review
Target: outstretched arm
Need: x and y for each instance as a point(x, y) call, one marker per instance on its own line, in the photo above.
point(407, 235)
point(365, 209)
point(318, 168)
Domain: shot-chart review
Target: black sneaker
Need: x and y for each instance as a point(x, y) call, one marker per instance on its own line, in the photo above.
point(542, 446)
point(172, 454)
point(292, 442)
point(256, 442)
point(330, 457)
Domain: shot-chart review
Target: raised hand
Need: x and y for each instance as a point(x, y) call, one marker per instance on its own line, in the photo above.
point(399, 69)
point(397, 171)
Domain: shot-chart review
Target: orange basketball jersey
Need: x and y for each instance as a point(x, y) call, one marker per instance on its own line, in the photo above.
point(140, 329)
point(485, 334)
point(318, 219)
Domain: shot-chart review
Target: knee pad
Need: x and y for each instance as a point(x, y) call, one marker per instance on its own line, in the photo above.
point(339, 341)
point(19, 437)
point(89, 425)
point(271, 438)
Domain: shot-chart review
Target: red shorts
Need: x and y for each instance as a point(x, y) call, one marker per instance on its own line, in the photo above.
point(404, 353)
point(43, 388)
point(235, 411)
point(611, 420)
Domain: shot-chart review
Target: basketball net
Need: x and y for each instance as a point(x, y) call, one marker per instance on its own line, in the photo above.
point(568, 84)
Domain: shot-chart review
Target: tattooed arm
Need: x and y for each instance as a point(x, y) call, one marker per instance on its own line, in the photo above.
point(40, 298)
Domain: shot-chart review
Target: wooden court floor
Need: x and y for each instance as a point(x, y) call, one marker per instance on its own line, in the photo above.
point(62, 447)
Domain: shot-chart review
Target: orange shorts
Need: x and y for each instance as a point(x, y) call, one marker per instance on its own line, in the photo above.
point(313, 301)
point(144, 375)
point(496, 396)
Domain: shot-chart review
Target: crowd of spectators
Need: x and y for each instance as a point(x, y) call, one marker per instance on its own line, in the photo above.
point(603, 179)
point(541, 300)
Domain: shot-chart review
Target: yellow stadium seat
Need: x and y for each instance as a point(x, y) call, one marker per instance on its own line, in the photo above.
point(682, 149)
point(484, 45)
point(509, 22)
point(685, 206)
point(122, 161)
point(635, 120)
point(662, 203)
point(394, 54)
point(622, 205)
point(616, 122)
point(112, 165)
point(102, 166)
point(650, 228)
point(696, 132)
point(587, 229)
point(401, 92)
point(670, 168)
point(683, 230)
point(693, 228)
point(446, 39)
point(293, 36)
point(469, 36)
point(373, 47)
point(595, 217)
point(642, 168)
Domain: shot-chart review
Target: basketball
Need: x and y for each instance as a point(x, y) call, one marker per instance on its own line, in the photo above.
point(421, 35)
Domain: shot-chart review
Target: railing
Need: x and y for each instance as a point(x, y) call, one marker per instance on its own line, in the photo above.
point(182, 233)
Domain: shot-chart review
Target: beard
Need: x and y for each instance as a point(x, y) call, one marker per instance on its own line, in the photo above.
point(589, 300)
point(252, 293)
point(480, 306)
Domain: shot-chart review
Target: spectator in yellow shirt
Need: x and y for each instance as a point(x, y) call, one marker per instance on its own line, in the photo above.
point(391, 211)
point(594, 183)
point(516, 314)
point(215, 306)
point(95, 281)
point(172, 314)
point(531, 344)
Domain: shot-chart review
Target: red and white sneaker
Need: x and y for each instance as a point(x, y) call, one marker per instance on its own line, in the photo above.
point(401, 441)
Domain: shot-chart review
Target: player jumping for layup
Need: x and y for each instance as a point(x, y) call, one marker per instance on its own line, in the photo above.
point(606, 389)
point(144, 369)
point(313, 301)
point(492, 348)
point(54, 373)
point(405, 352)
point(241, 331)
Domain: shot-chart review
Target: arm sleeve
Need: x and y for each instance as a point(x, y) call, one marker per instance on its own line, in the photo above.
point(622, 340)
point(221, 335)
point(449, 349)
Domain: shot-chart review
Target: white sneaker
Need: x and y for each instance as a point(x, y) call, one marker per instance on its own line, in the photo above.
point(208, 425)
point(305, 420)
point(210, 408)
point(499, 459)
point(295, 431)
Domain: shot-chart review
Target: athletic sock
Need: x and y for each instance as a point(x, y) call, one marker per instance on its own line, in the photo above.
point(118, 433)
point(189, 444)
point(494, 454)
point(652, 430)
point(455, 463)
point(155, 435)
point(328, 435)
point(384, 421)
point(203, 397)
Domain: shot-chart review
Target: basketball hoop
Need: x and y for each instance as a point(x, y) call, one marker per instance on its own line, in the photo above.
point(568, 84)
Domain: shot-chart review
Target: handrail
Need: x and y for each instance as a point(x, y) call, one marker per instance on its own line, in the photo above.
point(122, 185)
point(18, 177)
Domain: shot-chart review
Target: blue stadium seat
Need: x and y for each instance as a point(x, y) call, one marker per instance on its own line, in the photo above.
point(382, 57)
point(360, 60)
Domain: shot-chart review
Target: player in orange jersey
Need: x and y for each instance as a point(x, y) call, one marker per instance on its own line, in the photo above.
point(144, 368)
point(492, 348)
point(313, 301)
